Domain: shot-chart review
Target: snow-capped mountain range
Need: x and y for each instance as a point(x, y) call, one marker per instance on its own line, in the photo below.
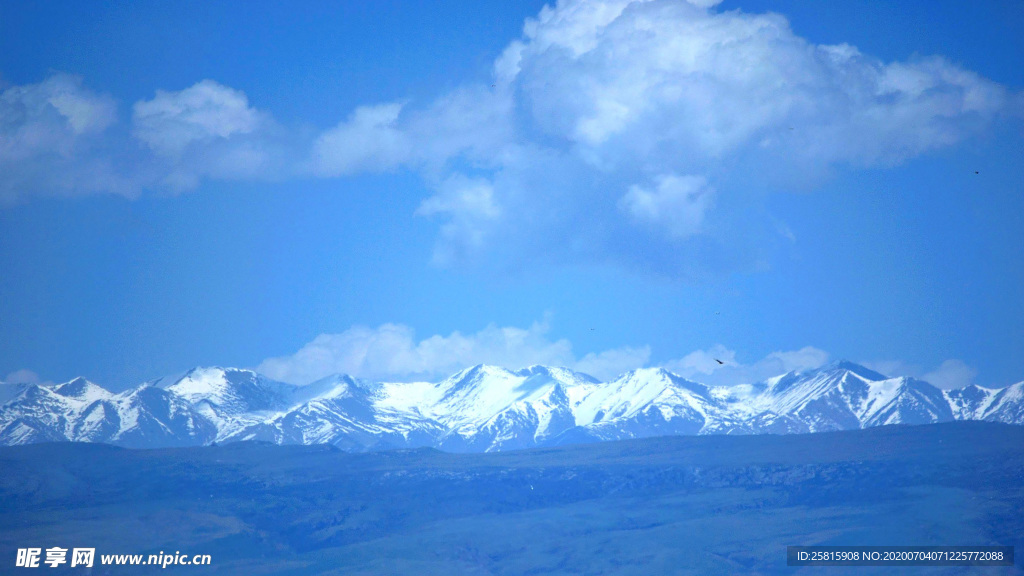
point(483, 408)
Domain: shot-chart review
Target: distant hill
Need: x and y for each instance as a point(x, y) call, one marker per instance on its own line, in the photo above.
point(668, 505)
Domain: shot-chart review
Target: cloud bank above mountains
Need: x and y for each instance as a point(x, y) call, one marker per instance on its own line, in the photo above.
point(392, 352)
point(638, 131)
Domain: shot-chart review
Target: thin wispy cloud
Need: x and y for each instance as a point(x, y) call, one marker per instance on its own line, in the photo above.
point(53, 140)
point(23, 376)
point(951, 373)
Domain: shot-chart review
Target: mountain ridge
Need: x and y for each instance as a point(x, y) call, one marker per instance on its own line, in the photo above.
point(483, 408)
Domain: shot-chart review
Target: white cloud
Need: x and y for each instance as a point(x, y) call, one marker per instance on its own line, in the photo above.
point(22, 376)
point(208, 130)
point(470, 205)
point(692, 85)
point(55, 139)
point(367, 140)
point(701, 365)
point(49, 135)
point(704, 362)
point(206, 111)
point(605, 104)
point(392, 351)
point(462, 195)
point(609, 364)
point(39, 117)
point(952, 373)
point(675, 203)
point(83, 111)
point(603, 115)
point(893, 368)
point(806, 358)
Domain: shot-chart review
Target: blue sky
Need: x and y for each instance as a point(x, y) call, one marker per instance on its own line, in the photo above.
point(400, 189)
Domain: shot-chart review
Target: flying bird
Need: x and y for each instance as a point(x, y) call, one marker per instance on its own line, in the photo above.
point(975, 171)
point(719, 361)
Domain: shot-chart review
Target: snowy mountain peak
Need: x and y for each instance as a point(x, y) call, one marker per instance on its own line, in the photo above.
point(470, 380)
point(10, 390)
point(1007, 405)
point(534, 370)
point(558, 373)
point(229, 391)
point(847, 366)
point(333, 386)
point(662, 377)
point(481, 371)
point(82, 389)
point(654, 372)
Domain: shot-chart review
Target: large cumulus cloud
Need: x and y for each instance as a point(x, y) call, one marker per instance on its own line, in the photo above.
point(649, 129)
point(641, 132)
